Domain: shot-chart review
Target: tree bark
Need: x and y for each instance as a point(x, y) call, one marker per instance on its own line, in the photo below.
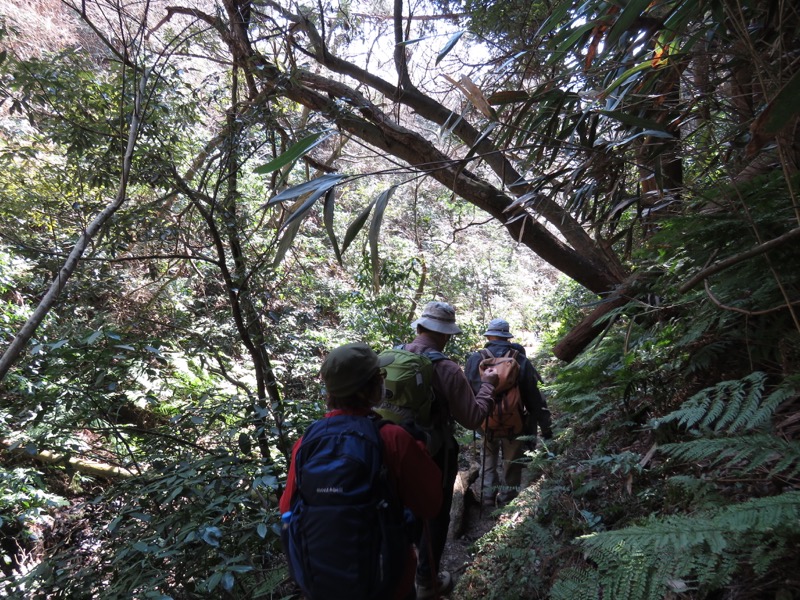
point(587, 330)
point(577, 255)
point(82, 465)
point(461, 491)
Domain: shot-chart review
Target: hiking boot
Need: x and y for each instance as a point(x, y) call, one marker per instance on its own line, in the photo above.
point(502, 501)
point(429, 590)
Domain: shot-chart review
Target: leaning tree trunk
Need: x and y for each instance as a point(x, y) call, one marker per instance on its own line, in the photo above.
point(47, 302)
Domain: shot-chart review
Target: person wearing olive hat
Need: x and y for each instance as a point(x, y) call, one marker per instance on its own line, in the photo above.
point(454, 402)
point(502, 487)
point(353, 378)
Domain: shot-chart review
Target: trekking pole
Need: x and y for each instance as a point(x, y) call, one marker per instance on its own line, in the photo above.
point(474, 440)
point(483, 466)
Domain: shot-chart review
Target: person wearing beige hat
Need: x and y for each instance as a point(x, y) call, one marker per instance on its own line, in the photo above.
point(454, 401)
point(331, 472)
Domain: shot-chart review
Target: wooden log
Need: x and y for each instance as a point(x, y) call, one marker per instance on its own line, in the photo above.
point(461, 491)
point(587, 330)
point(82, 465)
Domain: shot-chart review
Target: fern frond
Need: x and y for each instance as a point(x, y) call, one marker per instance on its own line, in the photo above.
point(788, 466)
point(730, 406)
point(713, 411)
point(576, 584)
point(741, 407)
point(706, 356)
point(773, 401)
point(743, 454)
point(709, 529)
point(707, 548)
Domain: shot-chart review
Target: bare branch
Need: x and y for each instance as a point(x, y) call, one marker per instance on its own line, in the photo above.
point(728, 262)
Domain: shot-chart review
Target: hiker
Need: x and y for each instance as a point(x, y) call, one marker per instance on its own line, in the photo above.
point(454, 401)
point(497, 487)
point(332, 539)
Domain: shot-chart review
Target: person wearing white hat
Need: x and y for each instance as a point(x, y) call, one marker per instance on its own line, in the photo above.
point(502, 486)
point(454, 401)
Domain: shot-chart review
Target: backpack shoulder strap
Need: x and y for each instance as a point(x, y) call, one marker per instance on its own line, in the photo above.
point(486, 353)
point(513, 353)
point(434, 355)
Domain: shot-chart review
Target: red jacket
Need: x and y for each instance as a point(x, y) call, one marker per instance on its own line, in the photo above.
point(416, 478)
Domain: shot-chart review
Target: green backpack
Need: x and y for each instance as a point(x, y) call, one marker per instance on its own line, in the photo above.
point(409, 389)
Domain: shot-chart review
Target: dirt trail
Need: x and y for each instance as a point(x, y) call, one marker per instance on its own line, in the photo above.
point(458, 553)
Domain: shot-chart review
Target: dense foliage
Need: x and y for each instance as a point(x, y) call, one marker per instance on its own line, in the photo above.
point(216, 197)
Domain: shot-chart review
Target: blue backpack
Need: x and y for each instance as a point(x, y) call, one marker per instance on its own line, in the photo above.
point(346, 537)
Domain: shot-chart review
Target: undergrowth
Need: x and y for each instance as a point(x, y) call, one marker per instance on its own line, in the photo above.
point(675, 470)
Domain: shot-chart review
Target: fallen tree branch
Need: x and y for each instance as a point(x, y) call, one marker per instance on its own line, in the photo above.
point(750, 313)
point(47, 302)
point(82, 465)
point(724, 264)
point(580, 336)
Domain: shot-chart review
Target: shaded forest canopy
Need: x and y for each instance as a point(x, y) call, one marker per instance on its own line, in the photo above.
point(199, 200)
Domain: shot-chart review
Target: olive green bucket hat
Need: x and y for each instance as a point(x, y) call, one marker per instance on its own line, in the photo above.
point(348, 368)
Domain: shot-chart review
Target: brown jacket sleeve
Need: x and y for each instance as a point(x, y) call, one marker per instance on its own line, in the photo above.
point(466, 408)
point(453, 389)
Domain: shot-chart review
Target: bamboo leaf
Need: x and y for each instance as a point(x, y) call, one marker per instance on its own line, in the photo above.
point(625, 76)
point(632, 11)
point(629, 119)
point(414, 41)
point(356, 225)
point(569, 42)
point(449, 45)
point(448, 126)
point(304, 207)
point(285, 243)
point(374, 232)
point(780, 111)
point(559, 11)
point(327, 217)
point(474, 94)
point(319, 184)
point(93, 338)
point(294, 152)
point(647, 132)
point(484, 134)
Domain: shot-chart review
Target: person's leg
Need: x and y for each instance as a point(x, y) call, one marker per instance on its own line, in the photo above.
point(513, 453)
point(490, 478)
point(434, 534)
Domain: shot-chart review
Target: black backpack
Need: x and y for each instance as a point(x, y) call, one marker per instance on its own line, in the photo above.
point(346, 537)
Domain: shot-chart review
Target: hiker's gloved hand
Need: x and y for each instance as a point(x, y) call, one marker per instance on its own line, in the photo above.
point(490, 376)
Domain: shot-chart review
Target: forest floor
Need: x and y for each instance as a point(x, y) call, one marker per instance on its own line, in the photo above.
point(459, 551)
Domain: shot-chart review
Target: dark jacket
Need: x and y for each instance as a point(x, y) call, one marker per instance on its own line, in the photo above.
point(532, 398)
